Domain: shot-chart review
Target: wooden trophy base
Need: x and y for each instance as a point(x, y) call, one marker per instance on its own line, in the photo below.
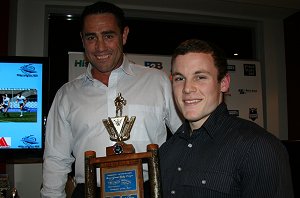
point(121, 175)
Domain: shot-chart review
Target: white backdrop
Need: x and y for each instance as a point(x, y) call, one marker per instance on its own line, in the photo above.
point(244, 98)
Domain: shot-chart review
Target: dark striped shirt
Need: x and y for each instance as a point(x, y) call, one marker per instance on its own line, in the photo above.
point(226, 157)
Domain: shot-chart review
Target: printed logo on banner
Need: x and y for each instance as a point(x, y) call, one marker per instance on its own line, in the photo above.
point(234, 112)
point(151, 64)
point(5, 142)
point(249, 70)
point(244, 91)
point(80, 63)
point(231, 67)
point(253, 113)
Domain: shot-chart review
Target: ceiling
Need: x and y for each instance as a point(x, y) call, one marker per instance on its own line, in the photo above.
point(247, 8)
point(274, 3)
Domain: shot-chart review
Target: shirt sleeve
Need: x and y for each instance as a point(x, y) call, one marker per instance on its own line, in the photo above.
point(57, 155)
point(266, 170)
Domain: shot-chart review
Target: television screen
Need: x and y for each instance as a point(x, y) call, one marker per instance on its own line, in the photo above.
point(23, 106)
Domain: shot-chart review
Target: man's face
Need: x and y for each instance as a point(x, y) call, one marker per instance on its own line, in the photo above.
point(103, 42)
point(196, 89)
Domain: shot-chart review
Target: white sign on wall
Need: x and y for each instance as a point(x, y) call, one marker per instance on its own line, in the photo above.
point(77, 64)
point(244, 98)
point(154, 61)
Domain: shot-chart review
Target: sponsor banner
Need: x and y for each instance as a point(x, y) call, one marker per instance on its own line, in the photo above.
point(244, 99)
point(77, 64)
point(153, 61)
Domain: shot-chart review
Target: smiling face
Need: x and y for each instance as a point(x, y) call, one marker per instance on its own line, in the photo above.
point(103, 42)
point(196, 88)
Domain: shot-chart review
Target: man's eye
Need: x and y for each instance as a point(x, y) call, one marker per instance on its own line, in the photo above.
point(90, 38)
point(108, 36)
point(201, 77)
point(177, 78)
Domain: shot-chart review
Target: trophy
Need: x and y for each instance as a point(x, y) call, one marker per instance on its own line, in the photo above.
point(119, 128)
point(121, 170)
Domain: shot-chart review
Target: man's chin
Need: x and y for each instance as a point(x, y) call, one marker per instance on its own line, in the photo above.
point(192, 117)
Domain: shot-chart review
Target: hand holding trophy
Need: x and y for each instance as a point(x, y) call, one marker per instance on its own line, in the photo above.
point(119, 128)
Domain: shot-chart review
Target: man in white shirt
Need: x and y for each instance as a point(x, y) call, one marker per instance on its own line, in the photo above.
point(74, 122)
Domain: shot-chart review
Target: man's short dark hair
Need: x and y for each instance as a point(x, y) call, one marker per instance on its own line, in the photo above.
point(200, 46)
point(101, 7)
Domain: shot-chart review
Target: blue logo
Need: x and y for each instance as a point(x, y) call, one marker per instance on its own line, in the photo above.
point(28, 71)
point(29, 140)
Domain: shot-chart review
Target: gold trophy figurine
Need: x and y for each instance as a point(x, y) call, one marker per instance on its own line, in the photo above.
point(119, 128)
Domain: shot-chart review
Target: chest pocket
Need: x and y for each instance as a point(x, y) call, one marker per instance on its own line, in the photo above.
point(146, 113)
point(214, 181)
point(148, 119)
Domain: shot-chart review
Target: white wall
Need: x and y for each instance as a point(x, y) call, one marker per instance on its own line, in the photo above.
point(30, 41)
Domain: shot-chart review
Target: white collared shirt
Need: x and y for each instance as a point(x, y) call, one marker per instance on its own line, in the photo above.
point(75, 125)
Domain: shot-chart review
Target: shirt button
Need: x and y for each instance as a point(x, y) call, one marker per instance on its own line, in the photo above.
point(179, 168)
point(203, 182)
point(190, 145)
point(173, 192)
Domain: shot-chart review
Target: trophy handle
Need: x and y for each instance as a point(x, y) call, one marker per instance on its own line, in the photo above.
point(125, 134)
point(110, 129)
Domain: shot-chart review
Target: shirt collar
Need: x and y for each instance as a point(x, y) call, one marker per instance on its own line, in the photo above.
point(211, 126)
point(215, 120)
point(127, 66)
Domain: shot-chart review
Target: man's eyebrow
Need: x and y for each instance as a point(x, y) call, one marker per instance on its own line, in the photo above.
point(202, 72)
point(196, 72)
point(176, 73)
point(102, 33)
point(108, 32)
point(89, 33)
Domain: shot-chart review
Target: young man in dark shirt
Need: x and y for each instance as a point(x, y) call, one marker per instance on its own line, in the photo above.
point(214, 154)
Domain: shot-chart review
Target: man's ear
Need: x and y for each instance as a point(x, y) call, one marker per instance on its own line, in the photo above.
point(225, 83)
point(81, 36)
point(125, 34)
